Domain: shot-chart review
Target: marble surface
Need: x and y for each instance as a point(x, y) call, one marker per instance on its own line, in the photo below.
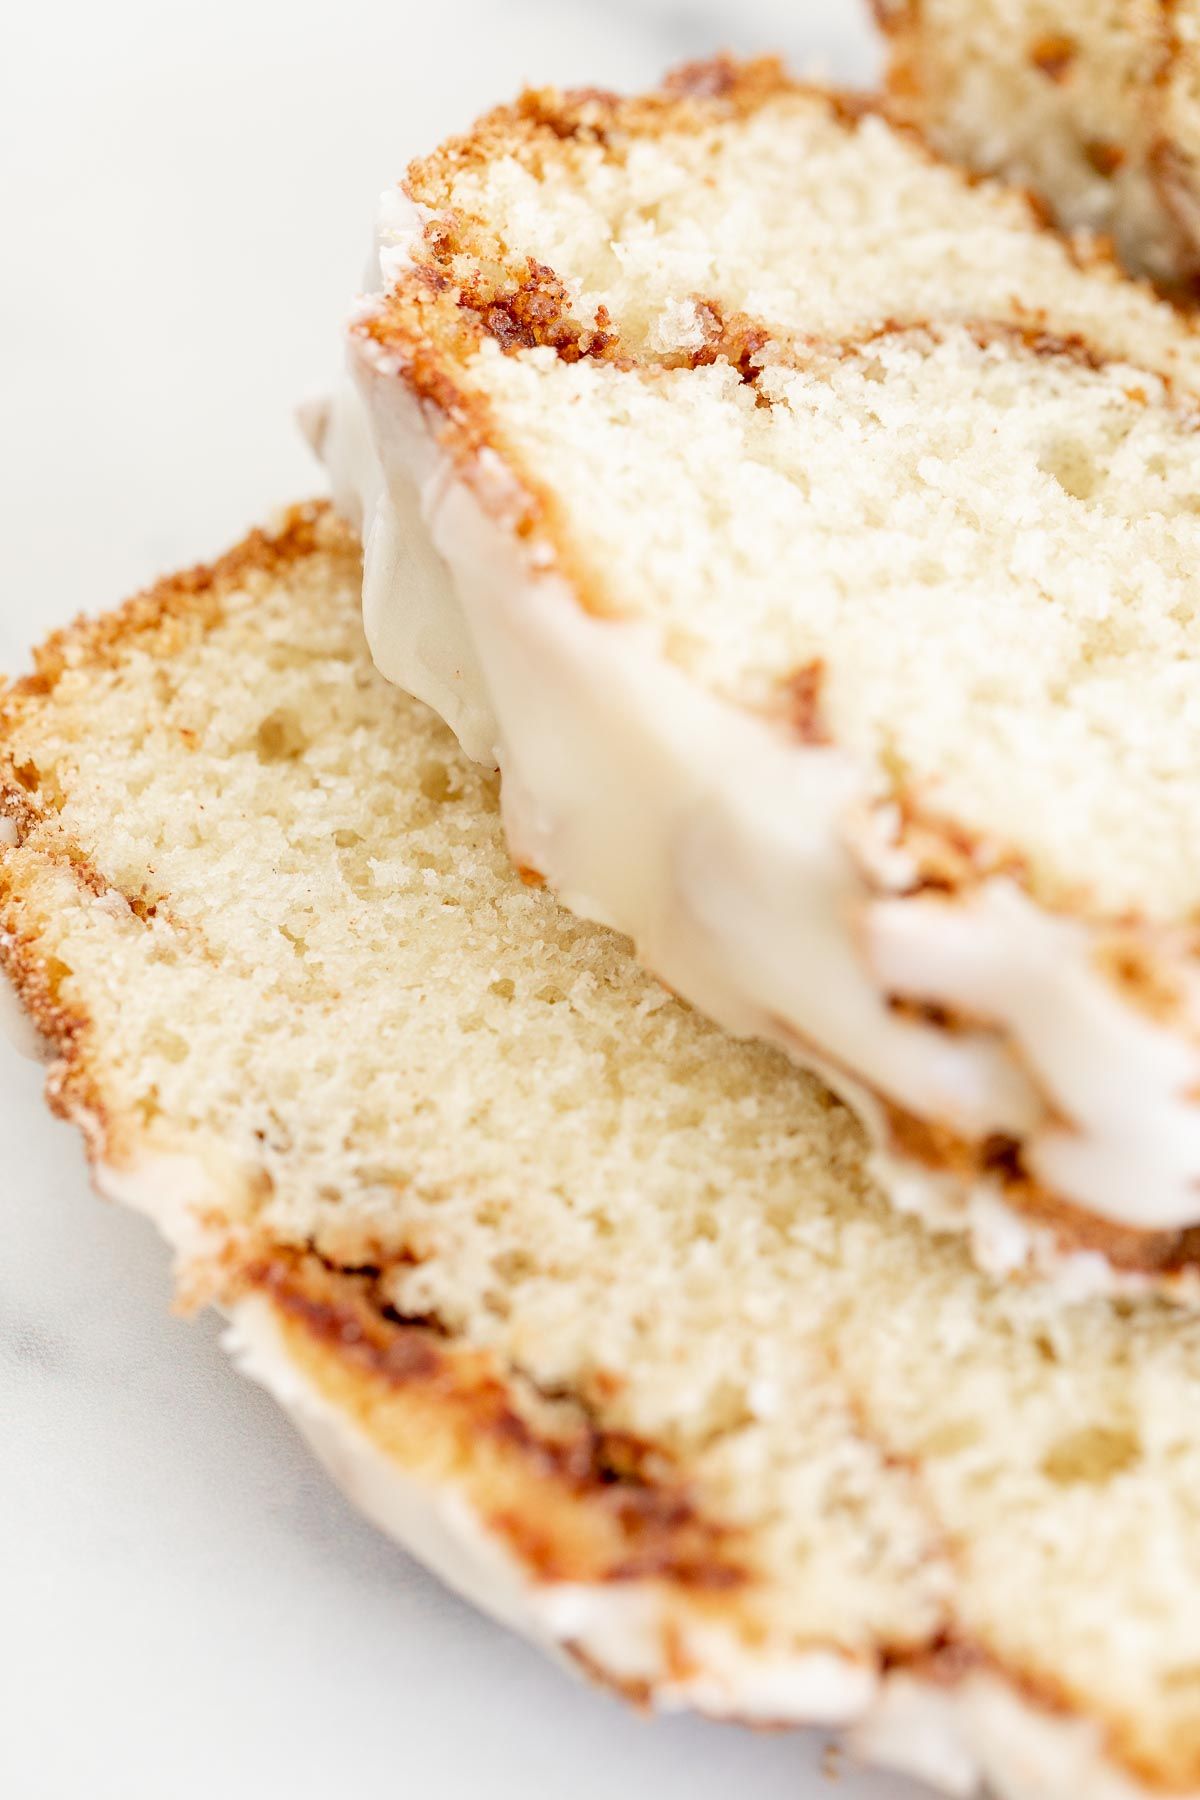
point(189, 1608)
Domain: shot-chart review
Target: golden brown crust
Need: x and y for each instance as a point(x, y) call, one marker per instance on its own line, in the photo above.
point(569, 128)
point(189, 600)
point(549, 121)
point(70, 1087)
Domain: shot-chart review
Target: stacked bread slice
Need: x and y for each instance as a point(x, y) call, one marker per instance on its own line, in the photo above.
point(806, 533)
point(595, 1307)
point(1097, 107)
point(813, 545)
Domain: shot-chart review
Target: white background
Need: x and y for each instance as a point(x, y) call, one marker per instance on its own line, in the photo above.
point(187, 1608)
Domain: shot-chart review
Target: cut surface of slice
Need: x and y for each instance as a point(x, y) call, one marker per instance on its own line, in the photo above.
point(809, 534)
point(968, 561)
point(1097, 108)
point(595, 1307)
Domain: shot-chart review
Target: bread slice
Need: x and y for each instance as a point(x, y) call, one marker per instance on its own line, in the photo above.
point(594, 1307)
point(1097, 107)
point(812, 538)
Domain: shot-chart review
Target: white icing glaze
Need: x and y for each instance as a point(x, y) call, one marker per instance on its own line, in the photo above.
point(431, 635)
point(752, 870)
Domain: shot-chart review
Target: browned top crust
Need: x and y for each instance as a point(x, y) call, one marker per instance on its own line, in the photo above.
point(175, 608)
point(545, 120)
point(553, 124)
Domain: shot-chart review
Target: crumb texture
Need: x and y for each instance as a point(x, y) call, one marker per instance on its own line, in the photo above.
point(1096, 107)
point(880, 421)
point(263, 904)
